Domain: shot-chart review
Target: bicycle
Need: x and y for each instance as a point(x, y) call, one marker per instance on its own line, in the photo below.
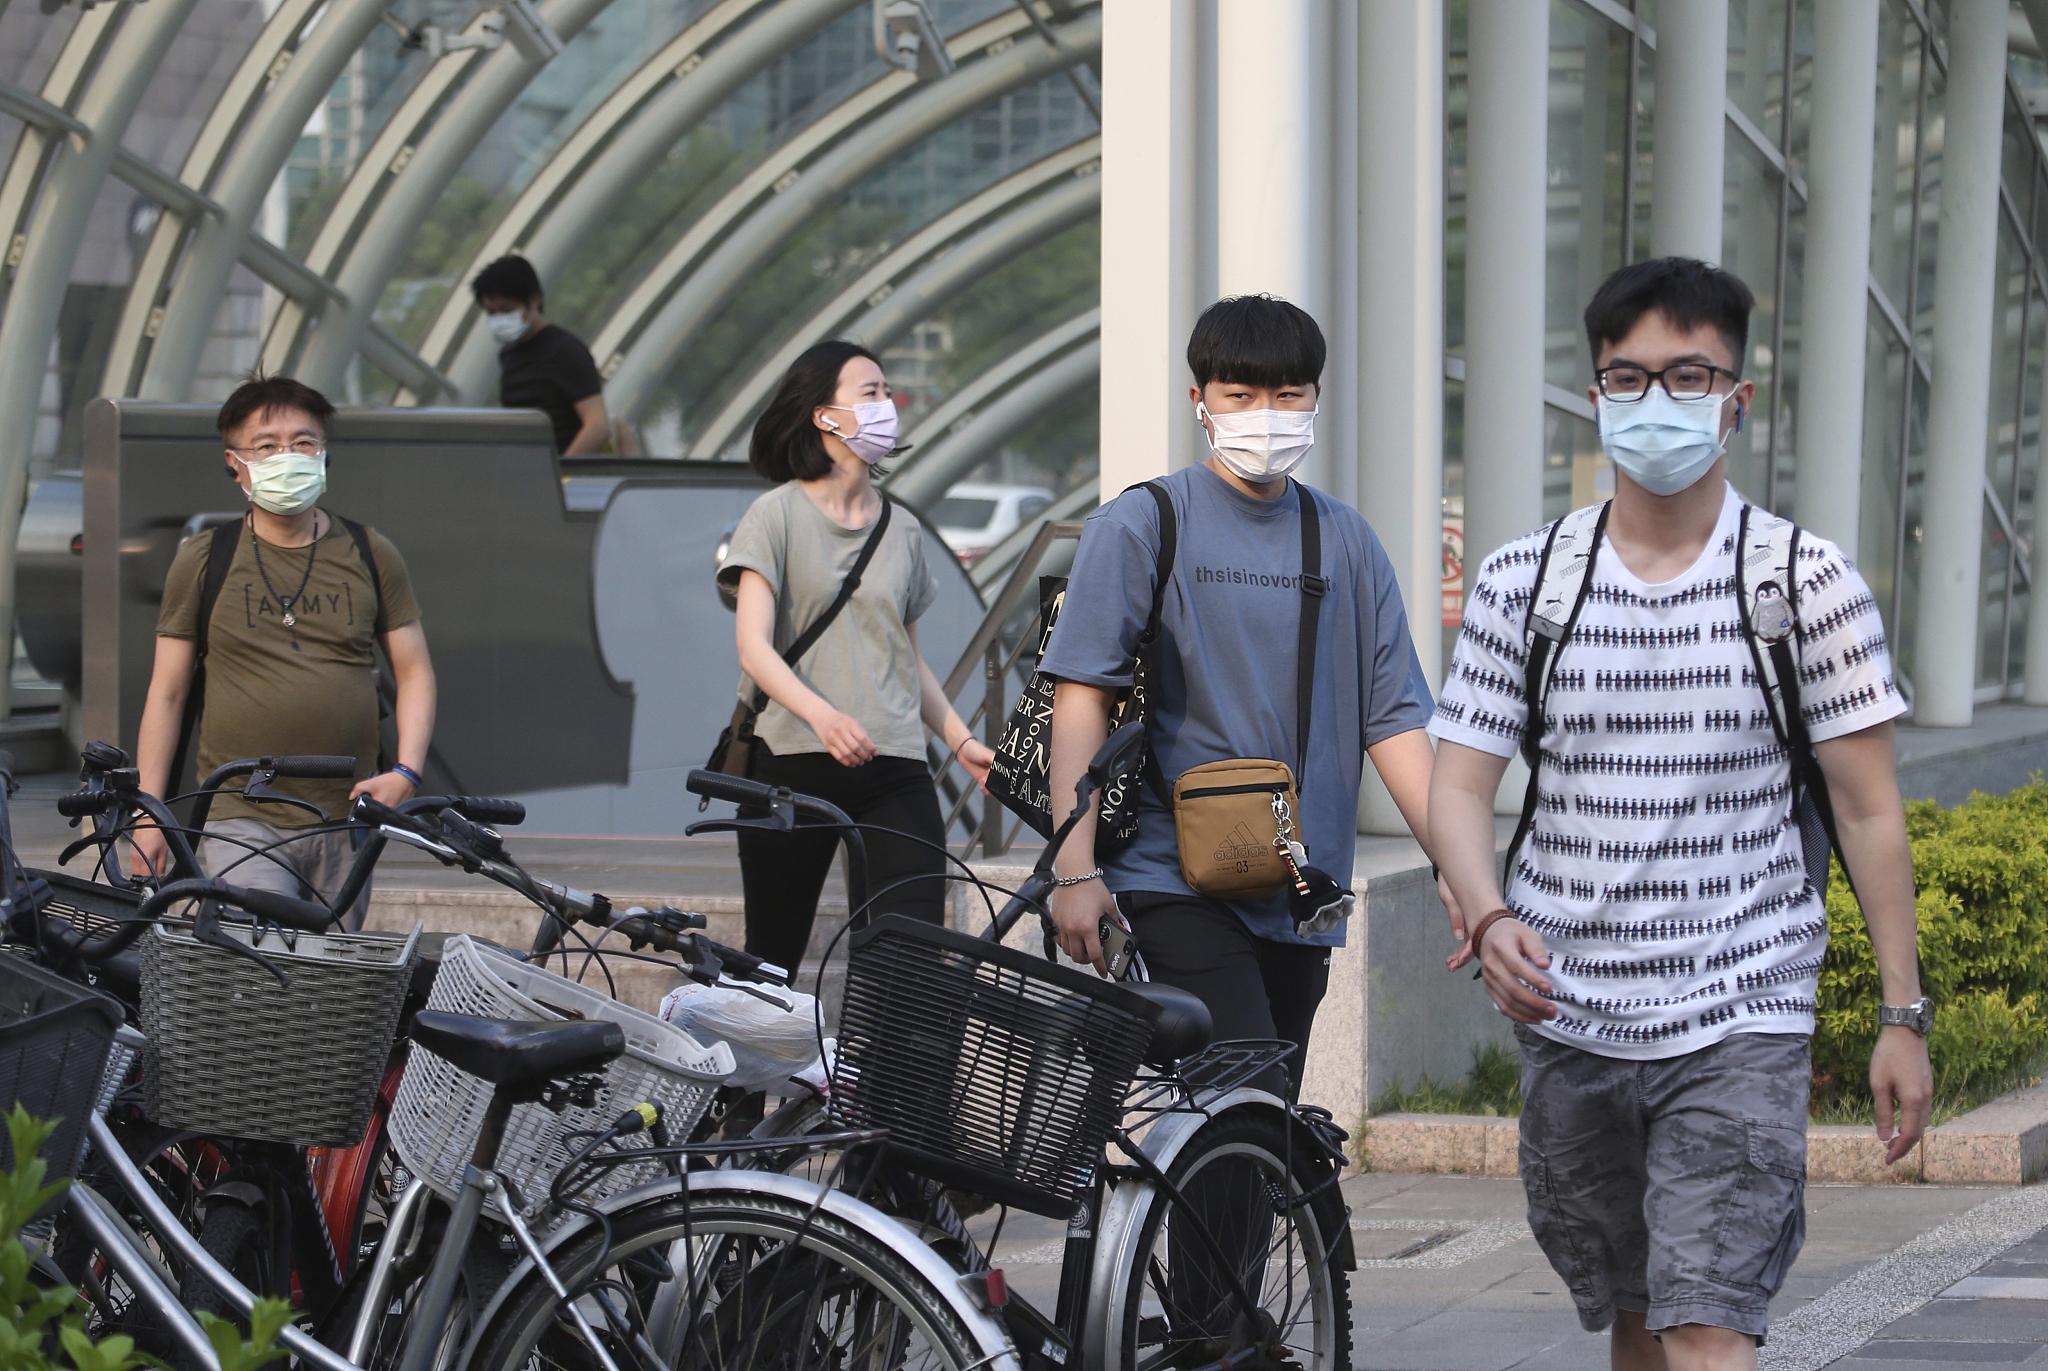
point(1146, 1280)
point(757, 1234)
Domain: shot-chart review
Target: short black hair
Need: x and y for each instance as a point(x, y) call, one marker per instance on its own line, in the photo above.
point(1684, 290)
point(786, 445)
point(261, 394)
point(512, 277)
point(1256, 340)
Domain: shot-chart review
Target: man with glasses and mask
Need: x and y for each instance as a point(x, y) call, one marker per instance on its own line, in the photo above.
point(1701, 679)
point(286, 616)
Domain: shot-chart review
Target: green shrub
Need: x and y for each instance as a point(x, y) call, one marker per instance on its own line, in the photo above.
point(41, 1326)
point(1982, 870)
point(1493, 1089)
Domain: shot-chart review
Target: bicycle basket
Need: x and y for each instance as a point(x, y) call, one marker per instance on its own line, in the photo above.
point(440, 1109)
point(233, 1053)
point(54, 1041)
point(990, 1069)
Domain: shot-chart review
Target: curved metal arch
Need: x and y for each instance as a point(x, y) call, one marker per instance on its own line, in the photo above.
point(713, 258)
point(48, 250)
point(997, 403)
point(243, 92)
point(267, 134)
point(930, 266)
point(379, 247)
point(616, 146)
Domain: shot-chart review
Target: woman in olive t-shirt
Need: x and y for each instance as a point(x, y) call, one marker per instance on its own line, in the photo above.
point(846, 722)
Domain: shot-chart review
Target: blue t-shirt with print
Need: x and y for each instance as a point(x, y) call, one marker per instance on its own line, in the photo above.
point(1223, 674)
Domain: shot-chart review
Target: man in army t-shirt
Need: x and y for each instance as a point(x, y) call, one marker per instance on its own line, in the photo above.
point(291, 654)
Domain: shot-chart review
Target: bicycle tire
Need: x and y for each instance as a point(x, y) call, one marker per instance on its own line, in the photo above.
point(766, 1266)
point(1140, 1340)
point(237, 1237)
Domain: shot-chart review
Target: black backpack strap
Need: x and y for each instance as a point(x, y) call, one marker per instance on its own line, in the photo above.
point(1564, 574)
point(809, 637)
point(220, 557)
point(1162, 558)
point(1314, 585)
point(361, 537)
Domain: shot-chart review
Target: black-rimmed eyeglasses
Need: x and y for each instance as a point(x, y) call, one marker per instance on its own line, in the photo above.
point(1685, 381)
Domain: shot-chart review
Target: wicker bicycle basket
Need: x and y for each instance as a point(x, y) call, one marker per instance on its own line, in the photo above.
point(54, 1041)
point(234, 1053)
point(440, 1108)
point(991, 1069)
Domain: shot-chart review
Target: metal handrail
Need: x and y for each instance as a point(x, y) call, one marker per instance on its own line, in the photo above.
point(988, 653)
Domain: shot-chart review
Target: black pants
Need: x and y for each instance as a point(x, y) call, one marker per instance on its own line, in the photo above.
point(1254, 988)
point(782, 873)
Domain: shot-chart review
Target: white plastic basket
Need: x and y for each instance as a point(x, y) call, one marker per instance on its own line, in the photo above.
point(440, 1109)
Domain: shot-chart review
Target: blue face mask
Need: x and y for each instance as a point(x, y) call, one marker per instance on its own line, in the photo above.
point(1663, 445)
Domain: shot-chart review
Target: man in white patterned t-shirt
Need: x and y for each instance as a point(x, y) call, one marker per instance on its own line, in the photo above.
point(1661, 934)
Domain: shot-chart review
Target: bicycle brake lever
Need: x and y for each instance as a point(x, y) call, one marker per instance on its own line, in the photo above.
point(80, 845)
point(257, 788)
point(767, 823)
point(206, 929)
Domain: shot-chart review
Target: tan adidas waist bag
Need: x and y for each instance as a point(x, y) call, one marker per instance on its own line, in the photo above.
point(1226, 816)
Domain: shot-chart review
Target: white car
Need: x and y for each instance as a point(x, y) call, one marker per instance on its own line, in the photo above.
point(974, 516)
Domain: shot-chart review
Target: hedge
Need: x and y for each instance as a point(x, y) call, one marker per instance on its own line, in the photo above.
point(1982, 870)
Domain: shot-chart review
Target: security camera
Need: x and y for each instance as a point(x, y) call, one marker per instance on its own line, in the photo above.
point(916, 44)
point(528, 33)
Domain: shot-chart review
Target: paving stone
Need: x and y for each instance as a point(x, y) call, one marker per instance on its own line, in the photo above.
point(1914, 1353)
point(1998, 1287)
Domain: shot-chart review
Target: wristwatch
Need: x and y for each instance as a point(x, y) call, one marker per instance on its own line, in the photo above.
point(1918, 1016)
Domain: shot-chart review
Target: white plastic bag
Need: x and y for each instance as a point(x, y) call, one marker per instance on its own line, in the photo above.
point(772, 1031)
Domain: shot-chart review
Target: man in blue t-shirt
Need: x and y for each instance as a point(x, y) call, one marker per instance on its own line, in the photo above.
point(1222, 679)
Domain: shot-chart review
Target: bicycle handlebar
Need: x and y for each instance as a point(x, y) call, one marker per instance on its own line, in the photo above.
point(716, 785)
point(783, 806)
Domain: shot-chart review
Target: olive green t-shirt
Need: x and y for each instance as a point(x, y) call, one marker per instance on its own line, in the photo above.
point(864, 663)
point(266, 697)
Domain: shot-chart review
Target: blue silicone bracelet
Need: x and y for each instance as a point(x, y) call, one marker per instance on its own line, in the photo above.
point(402, 769)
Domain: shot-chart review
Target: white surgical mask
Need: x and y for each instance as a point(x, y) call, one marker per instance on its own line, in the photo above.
point(874, 429)
point(1663, 445)
point(507, 328)
point(1260, 444)
point(287, 483)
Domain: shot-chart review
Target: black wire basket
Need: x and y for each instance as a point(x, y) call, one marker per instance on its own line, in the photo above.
point(990, 1069)
point(54, 1038)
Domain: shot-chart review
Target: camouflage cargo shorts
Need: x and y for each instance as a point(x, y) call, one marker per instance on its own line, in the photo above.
point(1674, 1188)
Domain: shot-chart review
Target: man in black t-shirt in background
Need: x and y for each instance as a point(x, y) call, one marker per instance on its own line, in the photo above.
point(541, 365)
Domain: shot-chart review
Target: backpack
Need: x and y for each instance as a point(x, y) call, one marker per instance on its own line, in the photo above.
point(1766, 602)
point(220, 556)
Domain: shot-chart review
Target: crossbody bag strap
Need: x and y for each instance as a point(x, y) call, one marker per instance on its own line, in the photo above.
point(809, 637)
point(1313, 587)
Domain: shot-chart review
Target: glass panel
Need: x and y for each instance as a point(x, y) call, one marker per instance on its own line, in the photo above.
point(1800, 135)
point(1783, 433)
point(1756, 62)
point(1994, 570)
point(1454, 504)
point(1457, 98)
point(1644, 169)
point(1588, 133)
point(1891, 206)
point(1914, 497)
point(1749, 248)
point(2016, 159)
point(1575, 471)
point(1884, 382)
point(2008, 334)
point(1930, 209)
point(30, 41)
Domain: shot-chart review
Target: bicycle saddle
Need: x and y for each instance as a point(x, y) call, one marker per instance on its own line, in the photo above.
point(517, 1054)
point(1184, 1026)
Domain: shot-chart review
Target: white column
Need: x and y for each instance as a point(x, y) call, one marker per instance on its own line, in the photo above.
point(1151, 104)
point(1835, 307)
point(1274, 130)
point(1504, 244)
point(1965, 264)
point(1687, 127)
point(1400, 374)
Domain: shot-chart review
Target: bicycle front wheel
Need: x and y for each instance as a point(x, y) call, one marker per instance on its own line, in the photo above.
point(1243, 1188)
point(737, 1281)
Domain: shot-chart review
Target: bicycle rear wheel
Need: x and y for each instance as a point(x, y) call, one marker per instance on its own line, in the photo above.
point(1244, 1184)
point(753, 1280)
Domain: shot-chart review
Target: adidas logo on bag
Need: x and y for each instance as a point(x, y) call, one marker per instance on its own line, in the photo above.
point(1240, 849)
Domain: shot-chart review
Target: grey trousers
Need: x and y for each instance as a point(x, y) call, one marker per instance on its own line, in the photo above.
point(308, 867)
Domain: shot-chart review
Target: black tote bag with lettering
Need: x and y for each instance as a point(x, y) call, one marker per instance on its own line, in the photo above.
point(1020, 776)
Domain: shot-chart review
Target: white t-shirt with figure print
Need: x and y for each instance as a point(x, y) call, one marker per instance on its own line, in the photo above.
point(1661, 868)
